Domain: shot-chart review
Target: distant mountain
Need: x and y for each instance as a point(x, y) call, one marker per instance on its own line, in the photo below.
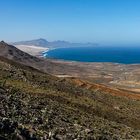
point(55, 44)
point(37, 42)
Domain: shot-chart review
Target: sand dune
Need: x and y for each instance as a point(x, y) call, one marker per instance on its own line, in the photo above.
point(33, 50)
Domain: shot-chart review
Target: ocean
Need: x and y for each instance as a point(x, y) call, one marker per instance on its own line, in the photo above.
point(125, 55)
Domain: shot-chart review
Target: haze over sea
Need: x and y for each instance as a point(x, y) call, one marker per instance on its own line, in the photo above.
point(125, 55)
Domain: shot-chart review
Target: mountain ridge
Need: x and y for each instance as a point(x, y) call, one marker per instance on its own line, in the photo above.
point(54, 44)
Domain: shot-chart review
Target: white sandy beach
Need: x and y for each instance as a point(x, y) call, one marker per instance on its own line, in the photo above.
point(33, 50)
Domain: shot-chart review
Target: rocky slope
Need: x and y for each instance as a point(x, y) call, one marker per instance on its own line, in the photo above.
point(35, 105)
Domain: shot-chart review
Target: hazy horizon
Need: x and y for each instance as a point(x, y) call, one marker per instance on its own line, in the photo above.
point(106, 22)
point(82, 42)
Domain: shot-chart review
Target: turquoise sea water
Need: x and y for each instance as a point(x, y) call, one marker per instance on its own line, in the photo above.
point(126, 55)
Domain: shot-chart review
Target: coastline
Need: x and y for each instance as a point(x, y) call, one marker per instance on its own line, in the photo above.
point(44, 53)
point(33, 50)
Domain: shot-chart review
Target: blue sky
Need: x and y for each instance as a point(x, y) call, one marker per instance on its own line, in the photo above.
point(99, 21)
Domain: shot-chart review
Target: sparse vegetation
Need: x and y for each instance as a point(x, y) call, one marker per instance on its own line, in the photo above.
point(38, 106)
point(35, 105)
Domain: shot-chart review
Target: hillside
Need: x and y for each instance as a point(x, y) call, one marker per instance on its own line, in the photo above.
point(12, 53)
point(120, 76)
point(36, 105)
